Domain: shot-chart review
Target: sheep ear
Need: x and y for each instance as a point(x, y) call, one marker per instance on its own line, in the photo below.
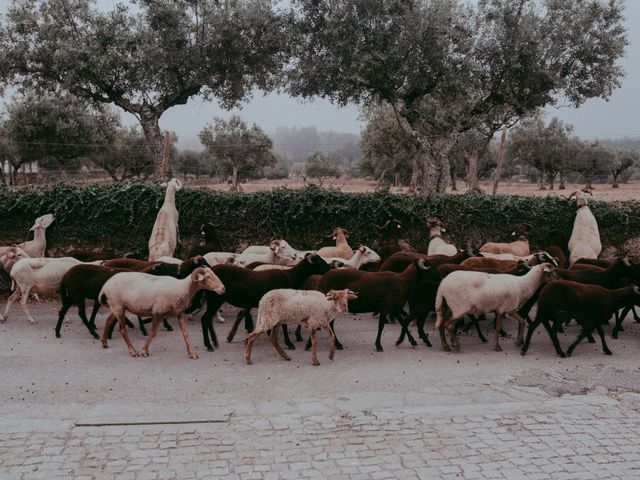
point(636, 290)
point(330, 295)
point(626, 262)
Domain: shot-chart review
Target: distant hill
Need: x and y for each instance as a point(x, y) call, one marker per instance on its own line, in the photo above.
point(297, 144)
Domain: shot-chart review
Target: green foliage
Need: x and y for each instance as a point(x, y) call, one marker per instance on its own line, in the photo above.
point(321, 165)
point(121, 216)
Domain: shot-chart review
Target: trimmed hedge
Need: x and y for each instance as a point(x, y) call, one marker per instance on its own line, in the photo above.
point(121, 216)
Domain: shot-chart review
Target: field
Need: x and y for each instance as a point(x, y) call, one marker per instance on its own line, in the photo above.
point(629, 191)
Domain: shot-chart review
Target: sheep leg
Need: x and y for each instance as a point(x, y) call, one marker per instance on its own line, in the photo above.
point(248, 320)
point(66, 304)
point(337, 342)
point(605, 349)
point(299, 333)
point(14, 296)
point(108, 329)
point(583, 333)
point(141, 323)
point(125, 335)
point(420, 321)
point(451, 328)
point(213, 305)
point(274, 340)
point(521, 324)
point(618, 326)
point(314, 347)
point(635, 314)
point(87, 323)
point(404, 324)
point(154, 331)
point(553, 333)
point(332, 342)
point(185, 334)
point(167, 325)
point(381, 322)
point(253, 336)
point(496, 340)
point(530, 330)
point(475, 321)
point(287, 340)
point(443, 339)
point(94, 313)
point(23, 304)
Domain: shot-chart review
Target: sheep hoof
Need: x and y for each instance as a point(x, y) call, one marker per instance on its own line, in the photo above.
point(608, 352)
point(287, 359)
point(58, 335)
point(134, 354)
point(229, 339)
point(331, 355)
point(614, 335)
point(291, 346)
point(339, 346)
point(565, 355)
point(95, 335)
point(193, 356)
point(209, 349)
point(145, 354)
point(379, 348)
point(104, 345)
point(427, 343)
point(398, 342)
point(3, 319)
point(446, 348)
point(316, 363)
point(247, 360)
point(498, 348)
point(523, 352)
point(519, 343)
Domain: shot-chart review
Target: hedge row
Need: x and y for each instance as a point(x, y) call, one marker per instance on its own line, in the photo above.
point(121, 216)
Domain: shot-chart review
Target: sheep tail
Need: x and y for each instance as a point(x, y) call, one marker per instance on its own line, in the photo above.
point(102, 298)
point(63, 292)
point(441, 308)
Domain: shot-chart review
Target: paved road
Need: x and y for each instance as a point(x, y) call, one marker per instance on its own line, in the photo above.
point(71, 409)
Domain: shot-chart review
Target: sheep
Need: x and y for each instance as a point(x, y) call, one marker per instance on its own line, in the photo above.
point(209, 241)
point(436, 244)
point(288, 306)
point(399, 261)
point(36, 275)
point(383, 292)
point(520, 247)
point(590, 305)
point(505, 264)
point(245, 288)
point(165, 235)
point(462, 293)
point(158, 297)
point(280, 244)
point(278, 252)
point(342, 248)
point(557, 248)
point(390, 241)
point(85, 255)
point(585, 237)
point(30, 249)
point(37, 247)
point(362, 256)
point(85, 281)
point(9, 256)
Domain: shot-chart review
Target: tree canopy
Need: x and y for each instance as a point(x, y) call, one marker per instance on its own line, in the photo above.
point(145, 59)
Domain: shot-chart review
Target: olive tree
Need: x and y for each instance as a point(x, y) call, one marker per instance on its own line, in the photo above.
point(145, 59)
point(445, 67)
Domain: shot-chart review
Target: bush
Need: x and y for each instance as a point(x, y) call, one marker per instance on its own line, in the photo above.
point(121, 216)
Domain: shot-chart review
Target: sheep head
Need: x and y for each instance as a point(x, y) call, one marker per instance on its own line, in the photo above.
point(549, 273)
point(44, 221)
point(433, 222)
point(581, 199)
point(521, 230)
point(341, 298)
point(390, 225)
point(174, 183)
point(337, 231)
point(522, 267)
point(544, 257)
point(205, 279)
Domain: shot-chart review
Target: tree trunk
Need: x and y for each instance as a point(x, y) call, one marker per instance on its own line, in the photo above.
point(454, 187)
point(164, 174)
point(561, 186)
point(472, 171)
point(615, 181)
point(503, 142)
point(234, 178)
point(152, 133)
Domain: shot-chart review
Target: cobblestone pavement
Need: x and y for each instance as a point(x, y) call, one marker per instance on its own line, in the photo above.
point(86, 413)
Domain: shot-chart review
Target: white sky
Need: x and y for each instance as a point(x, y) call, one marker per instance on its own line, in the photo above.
point(596, 119)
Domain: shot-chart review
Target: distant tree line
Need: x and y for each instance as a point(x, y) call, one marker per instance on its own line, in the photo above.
point(444, 68)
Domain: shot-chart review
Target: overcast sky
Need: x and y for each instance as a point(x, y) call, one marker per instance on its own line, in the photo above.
point(596, 119)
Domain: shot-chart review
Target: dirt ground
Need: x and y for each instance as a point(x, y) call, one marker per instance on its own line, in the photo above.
point(630, 191)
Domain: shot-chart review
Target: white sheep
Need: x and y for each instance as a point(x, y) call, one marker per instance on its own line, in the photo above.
point(294, 307)
point(9, 256)
point(437, 246)
point(165, 235)
point(32, 248)
point(342, 248)
point(283, 245)
point(159, 297)
point(463, 292)
point(520, 247)
point(37, 276)
point(275, 254)
point(362, 256)
point(585, 236)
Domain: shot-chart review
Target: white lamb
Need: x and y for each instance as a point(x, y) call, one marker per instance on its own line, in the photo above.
point(292, 307)
point(437, 246)
point(463, 292)
point(362, 256)
point(165, 235)
point(585, 236)
point(158, 297)
point(37, 276)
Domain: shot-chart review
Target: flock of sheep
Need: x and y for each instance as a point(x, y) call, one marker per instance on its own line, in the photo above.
point(310, 288)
